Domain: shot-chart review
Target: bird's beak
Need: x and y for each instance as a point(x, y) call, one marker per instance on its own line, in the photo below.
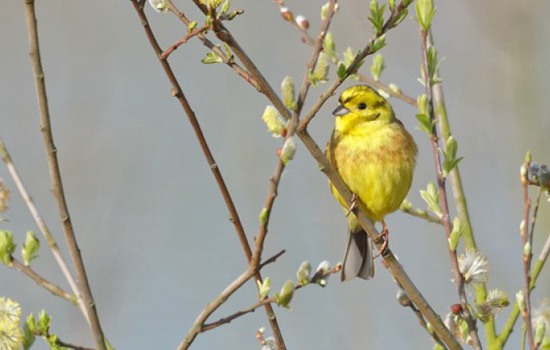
point(340, 111)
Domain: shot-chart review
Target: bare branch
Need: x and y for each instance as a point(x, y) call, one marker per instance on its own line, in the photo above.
point(397, 94)
point(57, 185)
point(42, 282)
point(42, 226)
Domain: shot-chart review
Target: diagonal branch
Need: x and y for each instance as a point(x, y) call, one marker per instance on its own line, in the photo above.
point(44, 283)
point(42, 226)
point(57, 185)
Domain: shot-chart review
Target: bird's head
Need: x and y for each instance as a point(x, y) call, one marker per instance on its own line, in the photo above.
point(363, 103)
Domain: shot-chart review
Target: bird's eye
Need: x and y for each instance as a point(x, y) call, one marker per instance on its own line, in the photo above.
point(362, 105)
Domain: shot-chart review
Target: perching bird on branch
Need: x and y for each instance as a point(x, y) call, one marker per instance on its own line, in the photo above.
point(376, 157)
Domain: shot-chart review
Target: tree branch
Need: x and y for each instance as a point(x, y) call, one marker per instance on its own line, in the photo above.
point(42, 282)
point(527, 239)
point(440, 111)
point(57, 185)
point(259, 303)
point(42, 226)
point(509, 325)
point(458, 278)
point(397, 94)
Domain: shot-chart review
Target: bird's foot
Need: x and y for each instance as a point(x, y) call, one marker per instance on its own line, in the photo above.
point(354, 204)
point(384, 238)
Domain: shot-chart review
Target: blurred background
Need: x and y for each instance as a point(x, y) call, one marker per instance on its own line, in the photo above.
point(148, 216)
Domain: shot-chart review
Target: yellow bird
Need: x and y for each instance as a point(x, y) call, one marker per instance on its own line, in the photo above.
point(376, 157)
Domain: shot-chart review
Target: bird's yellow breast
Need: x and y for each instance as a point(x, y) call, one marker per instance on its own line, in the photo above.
point(376, 160)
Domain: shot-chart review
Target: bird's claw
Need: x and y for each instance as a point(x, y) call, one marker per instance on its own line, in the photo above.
point(354, 204)
point(384, 238)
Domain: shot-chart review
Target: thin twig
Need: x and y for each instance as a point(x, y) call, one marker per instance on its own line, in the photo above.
point(59, 342)
point(395, 267)
point(182, 41)
point(272, 259)
point(288, 16)
point(512, 319)
point(57, 185)
point(228, 61)
point(42, 282)
point(440, 111)
point(527, 239)
point(259, 303)
point(178, 93)
point(458, 278)
point(42, 226)
point(397, 94)
point(422, 214)
point(315, 56)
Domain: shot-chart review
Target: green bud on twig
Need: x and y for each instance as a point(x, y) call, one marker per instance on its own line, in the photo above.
point(29, 250)
point(7, 247)
point(540, 330)
point(377, 66)
point(287, 292)
point(431, 197)
point(377, 16)
point(211, 58)
point(321, 70)
point(289, 149)
point(425, 13)
point(264, 288)
point(264, 215)
point(43, 322)
point(329, 47)
point(287, 90)
point(521, 301)
point(304, 273)
point(456, 233)
point(527, 250)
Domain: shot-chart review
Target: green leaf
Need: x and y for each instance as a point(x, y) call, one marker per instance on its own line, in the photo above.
point(341, 70)
point(44, 322)
point(425, 124)
point(29, 250)
point(431, 197)
point(29, 336)
point(211, 58)
point(287, 292)
point(191, 26)
point(377, 66)
point(7, 247)
point(425, 12)
point(378, 44)
point(377, 16)
point(329, 47)
point(321, 70)
point(400, 17)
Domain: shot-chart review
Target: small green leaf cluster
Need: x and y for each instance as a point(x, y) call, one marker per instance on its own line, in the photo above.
point(7, 247)
point(451, 161)
point(431, 197)
point(343, 65)
point(425, 12)
point(377, 16)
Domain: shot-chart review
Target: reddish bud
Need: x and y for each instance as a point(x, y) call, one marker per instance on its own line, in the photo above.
point(283, 132)
point(279, 151)
point(456, 309)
